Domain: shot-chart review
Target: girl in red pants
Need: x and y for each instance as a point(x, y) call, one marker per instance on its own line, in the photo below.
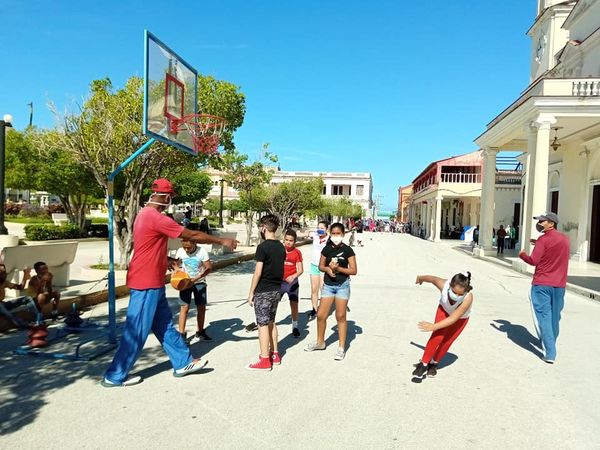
point(450, 319)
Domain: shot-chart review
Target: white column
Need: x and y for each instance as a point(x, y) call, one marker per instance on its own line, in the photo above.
point(539, 198)
point(437, 218)
point(486, 220)
point(528, 166)
point(584, 210)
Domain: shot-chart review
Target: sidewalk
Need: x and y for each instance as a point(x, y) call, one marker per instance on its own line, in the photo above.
point(583, 278)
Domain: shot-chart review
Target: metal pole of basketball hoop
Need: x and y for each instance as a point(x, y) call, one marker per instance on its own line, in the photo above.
point(221, 205)
point(112, 316)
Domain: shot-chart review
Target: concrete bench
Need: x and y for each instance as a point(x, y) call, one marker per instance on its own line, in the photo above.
point(57, 255)
point(59, 218)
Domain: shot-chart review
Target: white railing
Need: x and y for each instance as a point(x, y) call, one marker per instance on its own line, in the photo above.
point(461, 177)
point(509, 177)
point(586, 88)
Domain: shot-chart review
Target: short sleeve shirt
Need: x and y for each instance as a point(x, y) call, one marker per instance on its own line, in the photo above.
point(272, 254)
point(342, 253)
point(192, 263)
point(151, 233)
point(291, 259)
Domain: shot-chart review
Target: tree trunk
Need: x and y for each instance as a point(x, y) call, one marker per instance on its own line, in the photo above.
point(249, 223)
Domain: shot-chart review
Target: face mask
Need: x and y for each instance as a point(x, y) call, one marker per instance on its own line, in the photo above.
point(455, 297)
point(320, 232)
point(337, 240)
point(166, 205)
point(539, 227)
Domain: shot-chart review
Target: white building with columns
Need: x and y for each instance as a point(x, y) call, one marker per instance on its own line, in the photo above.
point(555, 122)
point(446, 197)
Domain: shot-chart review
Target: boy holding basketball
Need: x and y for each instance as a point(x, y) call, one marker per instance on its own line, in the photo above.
point(194, 261)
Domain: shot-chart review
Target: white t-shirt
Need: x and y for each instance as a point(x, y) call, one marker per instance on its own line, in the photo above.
point(445, 302)
point(192, 263)
point(317, 246)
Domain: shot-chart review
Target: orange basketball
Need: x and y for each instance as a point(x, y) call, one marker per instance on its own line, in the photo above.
point(181, 280)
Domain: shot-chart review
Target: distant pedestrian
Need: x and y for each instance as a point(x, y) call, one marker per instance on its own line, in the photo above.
point(550, 257)
point(513, 235)
point(476, 235)
point(450, 319)
point(500, 236)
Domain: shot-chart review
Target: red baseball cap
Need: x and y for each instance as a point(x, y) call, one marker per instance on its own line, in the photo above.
point(162, 186)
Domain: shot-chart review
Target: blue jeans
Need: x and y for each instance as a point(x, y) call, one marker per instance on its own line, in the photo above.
point(148, 311)
point(339, 291)
point(547, 303)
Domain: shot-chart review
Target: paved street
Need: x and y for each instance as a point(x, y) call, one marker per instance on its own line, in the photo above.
point(492, 390)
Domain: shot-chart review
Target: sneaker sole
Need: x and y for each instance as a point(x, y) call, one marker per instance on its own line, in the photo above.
point(256, 369)
point(130, 382)
point(314, 349)
point(196, 369)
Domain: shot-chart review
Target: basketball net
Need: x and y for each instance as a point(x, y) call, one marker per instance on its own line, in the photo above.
point(206, 131)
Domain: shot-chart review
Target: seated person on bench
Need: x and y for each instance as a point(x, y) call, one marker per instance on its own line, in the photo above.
point(40, 288)
point(6, 307)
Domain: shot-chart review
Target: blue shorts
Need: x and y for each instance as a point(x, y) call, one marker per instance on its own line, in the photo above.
point(341, 291)
point(199, 291)
point(314, 270)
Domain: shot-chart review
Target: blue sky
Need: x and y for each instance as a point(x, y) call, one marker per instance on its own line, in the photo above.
point(382, 86)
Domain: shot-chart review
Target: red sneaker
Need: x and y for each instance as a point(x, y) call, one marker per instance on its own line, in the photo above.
point(275, 358)
point(263, 364)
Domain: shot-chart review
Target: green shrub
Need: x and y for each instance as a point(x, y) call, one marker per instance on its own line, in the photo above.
point(99, 220)
point(51, 232)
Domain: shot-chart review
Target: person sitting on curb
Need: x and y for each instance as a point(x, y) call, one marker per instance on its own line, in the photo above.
point(41, 289)
point(7, 307)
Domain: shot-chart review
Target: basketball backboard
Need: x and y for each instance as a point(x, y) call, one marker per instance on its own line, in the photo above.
point(170, 94)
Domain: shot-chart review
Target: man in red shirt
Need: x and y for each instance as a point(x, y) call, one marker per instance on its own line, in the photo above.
point(148, 307)
point(550, 257)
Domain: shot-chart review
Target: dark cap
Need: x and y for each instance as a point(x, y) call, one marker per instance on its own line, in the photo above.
point(548, 216)
point(162, 186)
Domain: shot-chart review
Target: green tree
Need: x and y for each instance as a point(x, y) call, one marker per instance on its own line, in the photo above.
point(249, 180)
point(192, 186)
point(64, 176)
point(293, 198)
point(236, 206)
point(212, 205)
point(339, 208)
point(21, 162)
point(107, 130)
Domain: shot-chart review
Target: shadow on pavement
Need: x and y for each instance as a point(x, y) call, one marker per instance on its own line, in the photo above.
point(519, 335)
point(353, 330)
point(592, 283)
point(245, 267)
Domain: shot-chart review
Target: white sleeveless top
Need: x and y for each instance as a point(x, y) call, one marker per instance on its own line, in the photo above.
point(317, 246)
point(445, 302)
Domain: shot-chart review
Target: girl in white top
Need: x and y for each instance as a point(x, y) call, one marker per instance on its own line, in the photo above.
point(320, 238)
point(450, 319)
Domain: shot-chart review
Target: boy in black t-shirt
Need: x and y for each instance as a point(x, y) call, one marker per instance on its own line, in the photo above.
point(338, 261)
point(265, 292)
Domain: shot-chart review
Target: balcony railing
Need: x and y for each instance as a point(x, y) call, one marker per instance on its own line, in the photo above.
point(509, 177)
point(557, 87)
point(461, 178)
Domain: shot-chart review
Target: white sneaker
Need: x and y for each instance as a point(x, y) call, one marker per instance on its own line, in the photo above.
point(340, 354)
point(195, 366)
point(312, 346)
point(128, 382)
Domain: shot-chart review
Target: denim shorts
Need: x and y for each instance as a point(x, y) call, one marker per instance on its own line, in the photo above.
point(314, 270)
point(341, 291)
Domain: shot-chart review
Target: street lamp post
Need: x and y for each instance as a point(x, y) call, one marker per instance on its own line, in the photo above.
point(6, 122)
point(221, 205)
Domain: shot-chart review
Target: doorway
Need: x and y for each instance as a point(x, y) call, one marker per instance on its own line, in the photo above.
point(595, 226)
